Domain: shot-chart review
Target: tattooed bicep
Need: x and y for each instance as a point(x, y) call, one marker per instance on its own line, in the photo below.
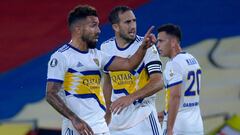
point(53, 86)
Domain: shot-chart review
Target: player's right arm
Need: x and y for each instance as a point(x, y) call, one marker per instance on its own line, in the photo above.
point(174, 101)
point(56, 102)
point(128, 64)
point(56, 70)
point(107, 91)
point(175, 84)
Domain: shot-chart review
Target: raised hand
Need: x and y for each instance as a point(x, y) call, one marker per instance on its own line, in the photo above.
point(149, 38)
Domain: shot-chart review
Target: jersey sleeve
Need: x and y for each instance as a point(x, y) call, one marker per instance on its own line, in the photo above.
point(103, 49)
point(56, 68)
point(152, 61)
point(106, 60)
point(175, 74)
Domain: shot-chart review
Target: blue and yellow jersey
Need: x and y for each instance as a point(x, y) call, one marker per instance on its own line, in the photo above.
point(79, 72)
point(84, 85)
point(127, 82)
point(185, 70)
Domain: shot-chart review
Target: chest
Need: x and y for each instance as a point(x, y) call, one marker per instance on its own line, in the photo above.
point(83, 62)
point(125, 53)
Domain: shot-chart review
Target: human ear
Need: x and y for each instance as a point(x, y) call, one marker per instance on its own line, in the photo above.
point(115, 27)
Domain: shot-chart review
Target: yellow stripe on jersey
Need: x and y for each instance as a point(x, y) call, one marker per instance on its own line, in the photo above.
point(68, 81)
point(143, 79)
point(167, 98)
point(82, 85)
point(124, 80)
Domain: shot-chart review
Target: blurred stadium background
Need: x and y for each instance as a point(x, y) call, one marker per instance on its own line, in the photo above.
point(32, 30)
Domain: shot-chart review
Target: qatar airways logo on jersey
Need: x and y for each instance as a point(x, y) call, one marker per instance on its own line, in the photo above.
point(124, 78)
point(92, 82)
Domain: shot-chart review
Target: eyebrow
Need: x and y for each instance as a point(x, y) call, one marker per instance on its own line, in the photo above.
point(129, 20)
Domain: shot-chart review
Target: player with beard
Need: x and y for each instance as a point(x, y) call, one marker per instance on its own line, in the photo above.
point(130, 95)
point(73, 79)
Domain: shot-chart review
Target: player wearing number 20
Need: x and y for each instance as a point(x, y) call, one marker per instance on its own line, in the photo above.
point(182, 79)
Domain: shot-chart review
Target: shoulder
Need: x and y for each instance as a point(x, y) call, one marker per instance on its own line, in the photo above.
point(182, 60)
point(153, 49)
point(180, 57)
point(139, 38)
point(96, 52)
point(61, 51)
point(152, 53)
point(63, 48)
point(107, 43)
point(137, 42)
point(109, 40)
point(186, 58)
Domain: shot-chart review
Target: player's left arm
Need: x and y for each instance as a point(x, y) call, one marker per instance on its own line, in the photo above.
point(155, 84)
point(174, 101)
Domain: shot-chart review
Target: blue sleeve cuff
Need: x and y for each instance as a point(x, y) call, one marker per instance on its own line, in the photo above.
point(173, 84)
point(55, 80)
point(108, 64)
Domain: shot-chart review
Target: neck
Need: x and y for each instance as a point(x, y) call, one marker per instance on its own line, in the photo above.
point(79, 44)
point(175, 51)
point(122, 43)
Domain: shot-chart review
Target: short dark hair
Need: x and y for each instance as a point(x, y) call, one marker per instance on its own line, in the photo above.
point(114, 14)
point(80, 12)
point(171, 29)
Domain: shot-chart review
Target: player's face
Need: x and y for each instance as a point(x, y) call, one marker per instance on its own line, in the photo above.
point(164, 44)
point(127, 26)
point(91, 31)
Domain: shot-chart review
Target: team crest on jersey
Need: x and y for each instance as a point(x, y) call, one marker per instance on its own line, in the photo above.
point(53, 62)
point(96, 61)
point(171, 73)
point(154, 50)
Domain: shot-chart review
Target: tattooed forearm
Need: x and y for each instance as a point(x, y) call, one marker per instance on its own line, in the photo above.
point(57, 103)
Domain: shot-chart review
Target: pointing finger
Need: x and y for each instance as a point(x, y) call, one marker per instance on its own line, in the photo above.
point(150, 30)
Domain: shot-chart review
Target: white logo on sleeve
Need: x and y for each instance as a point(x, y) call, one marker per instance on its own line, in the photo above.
point(53, 62)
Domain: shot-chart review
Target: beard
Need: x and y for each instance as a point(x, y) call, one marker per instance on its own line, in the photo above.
point(127, 38)
point(91, 44)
